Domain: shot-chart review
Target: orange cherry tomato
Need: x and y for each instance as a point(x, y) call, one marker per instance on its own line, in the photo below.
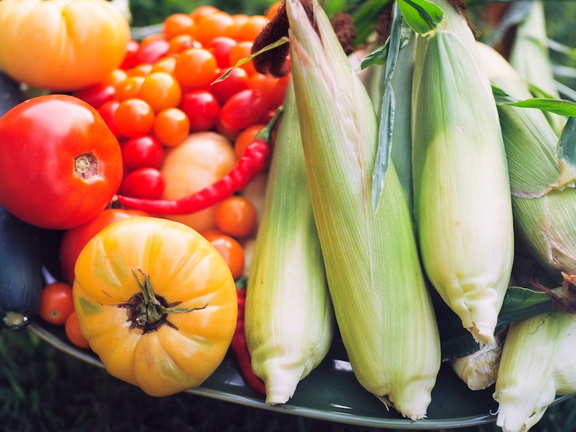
point(214, 25)
point(236, 216)
point(171, 126)
point(240, 51)
point(195, 68)
point(161, 90)
point(245, 138)
point(134, 117)
point(56, 303)
point(232, 252)
point(252, 27)
point(73, 332)
point(177, 24)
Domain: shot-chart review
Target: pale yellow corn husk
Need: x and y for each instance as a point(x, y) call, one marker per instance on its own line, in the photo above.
point(530, 57)
point(288, 315)
point(543, 196)
point(564, 374)
point(382, 306)
point(525, 384)
point(479, 369)
point(461, 189)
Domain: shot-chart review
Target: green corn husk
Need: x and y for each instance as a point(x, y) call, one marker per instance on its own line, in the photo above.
point(525, 384)
point(564, 374)
point(461, 189)
point(543, 196)
point(530, 57)
point(382, 306)
point(288, 315)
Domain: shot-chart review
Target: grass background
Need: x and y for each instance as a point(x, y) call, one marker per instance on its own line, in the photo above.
point(44, 389)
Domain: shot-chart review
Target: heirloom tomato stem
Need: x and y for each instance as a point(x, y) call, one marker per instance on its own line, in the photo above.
point(146, 310)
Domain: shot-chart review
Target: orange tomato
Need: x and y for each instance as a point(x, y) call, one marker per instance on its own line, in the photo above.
point(61, 45)
point(236, 216)
point(202, 159)
point(74, 333)
point(232, 252)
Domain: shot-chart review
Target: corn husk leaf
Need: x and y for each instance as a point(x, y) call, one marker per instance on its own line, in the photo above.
point(461, 189)
point(288, 315)
point(393, 356)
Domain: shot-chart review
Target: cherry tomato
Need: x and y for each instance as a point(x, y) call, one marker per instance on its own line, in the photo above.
point(129, 88)
point(74, 240)
point(220, 47)
point(273, 89)
point(96, 94)
point(171, 126)
point(241, 51)
point(144, 182)
point(160, 90)
point(73, 332)
point(107, 111)
point(202, 11)
point(131, 57)
point(182, 42)
point(134, 117)
point(165, 64)
point(153, 51)
point(195, 68)
point(177, 24)
point(140, 70)
point(202, 109)
point(60, 163)
point(244, 109)
point(115, 77)
point(214, 25)
point(142, 151)
point(56, 303)
point(245, 138)
point(252, 27)
point(236, 216)
point(236, 81)
point(231, 250)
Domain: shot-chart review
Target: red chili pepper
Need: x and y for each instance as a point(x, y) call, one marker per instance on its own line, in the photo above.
point(252, 162)
point(240, 348)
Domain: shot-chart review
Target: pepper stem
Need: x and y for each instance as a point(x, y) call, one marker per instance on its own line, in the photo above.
point(266, 132)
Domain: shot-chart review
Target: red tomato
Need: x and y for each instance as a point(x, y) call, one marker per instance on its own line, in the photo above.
point(143, 151)
point(74, 240)
point(96, 94)
point(143, 183)
point(244, 109)
point(202, 109)
point(235, 82)
point(60, 163)
point(56, 303)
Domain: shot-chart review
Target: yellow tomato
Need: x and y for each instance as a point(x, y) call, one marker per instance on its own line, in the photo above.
point(202, 159)
point(61, 45)
point(157, 303)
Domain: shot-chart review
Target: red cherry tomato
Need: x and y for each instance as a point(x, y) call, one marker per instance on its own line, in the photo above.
point(235, 82)
point(143, 183)
point(142, 151)
point(202, 109)
point(74, 240)
point(220, 47)
point(153, 51)
point(131, 57)
point(107, 111)
point(60, 163)
point(96, 94)
point(56, 303)
point(244, 109)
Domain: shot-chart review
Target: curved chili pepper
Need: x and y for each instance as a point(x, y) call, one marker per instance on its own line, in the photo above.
point(253, 161)
point(240, 348)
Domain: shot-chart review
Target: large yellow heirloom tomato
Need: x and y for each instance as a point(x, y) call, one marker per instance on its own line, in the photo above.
point(156, 302)
point(61, 45)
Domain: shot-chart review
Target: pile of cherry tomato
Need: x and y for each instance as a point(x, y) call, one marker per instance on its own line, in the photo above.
point(168, 88)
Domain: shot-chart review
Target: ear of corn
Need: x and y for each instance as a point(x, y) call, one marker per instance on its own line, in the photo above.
point(461, 189)
point(288, 316)
point(525, 385)
point(530, 57)
point(543, 205)
point(479, 369)
point(376, 284)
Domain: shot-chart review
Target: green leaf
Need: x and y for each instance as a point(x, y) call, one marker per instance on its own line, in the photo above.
point(365, 18)
point(521, 303)
point(566, 150)
point(376, 57)
point(421, 15)
point(557, 106)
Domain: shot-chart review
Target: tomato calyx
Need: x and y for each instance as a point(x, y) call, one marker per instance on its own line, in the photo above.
point(146, 310)
point(86, 165)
